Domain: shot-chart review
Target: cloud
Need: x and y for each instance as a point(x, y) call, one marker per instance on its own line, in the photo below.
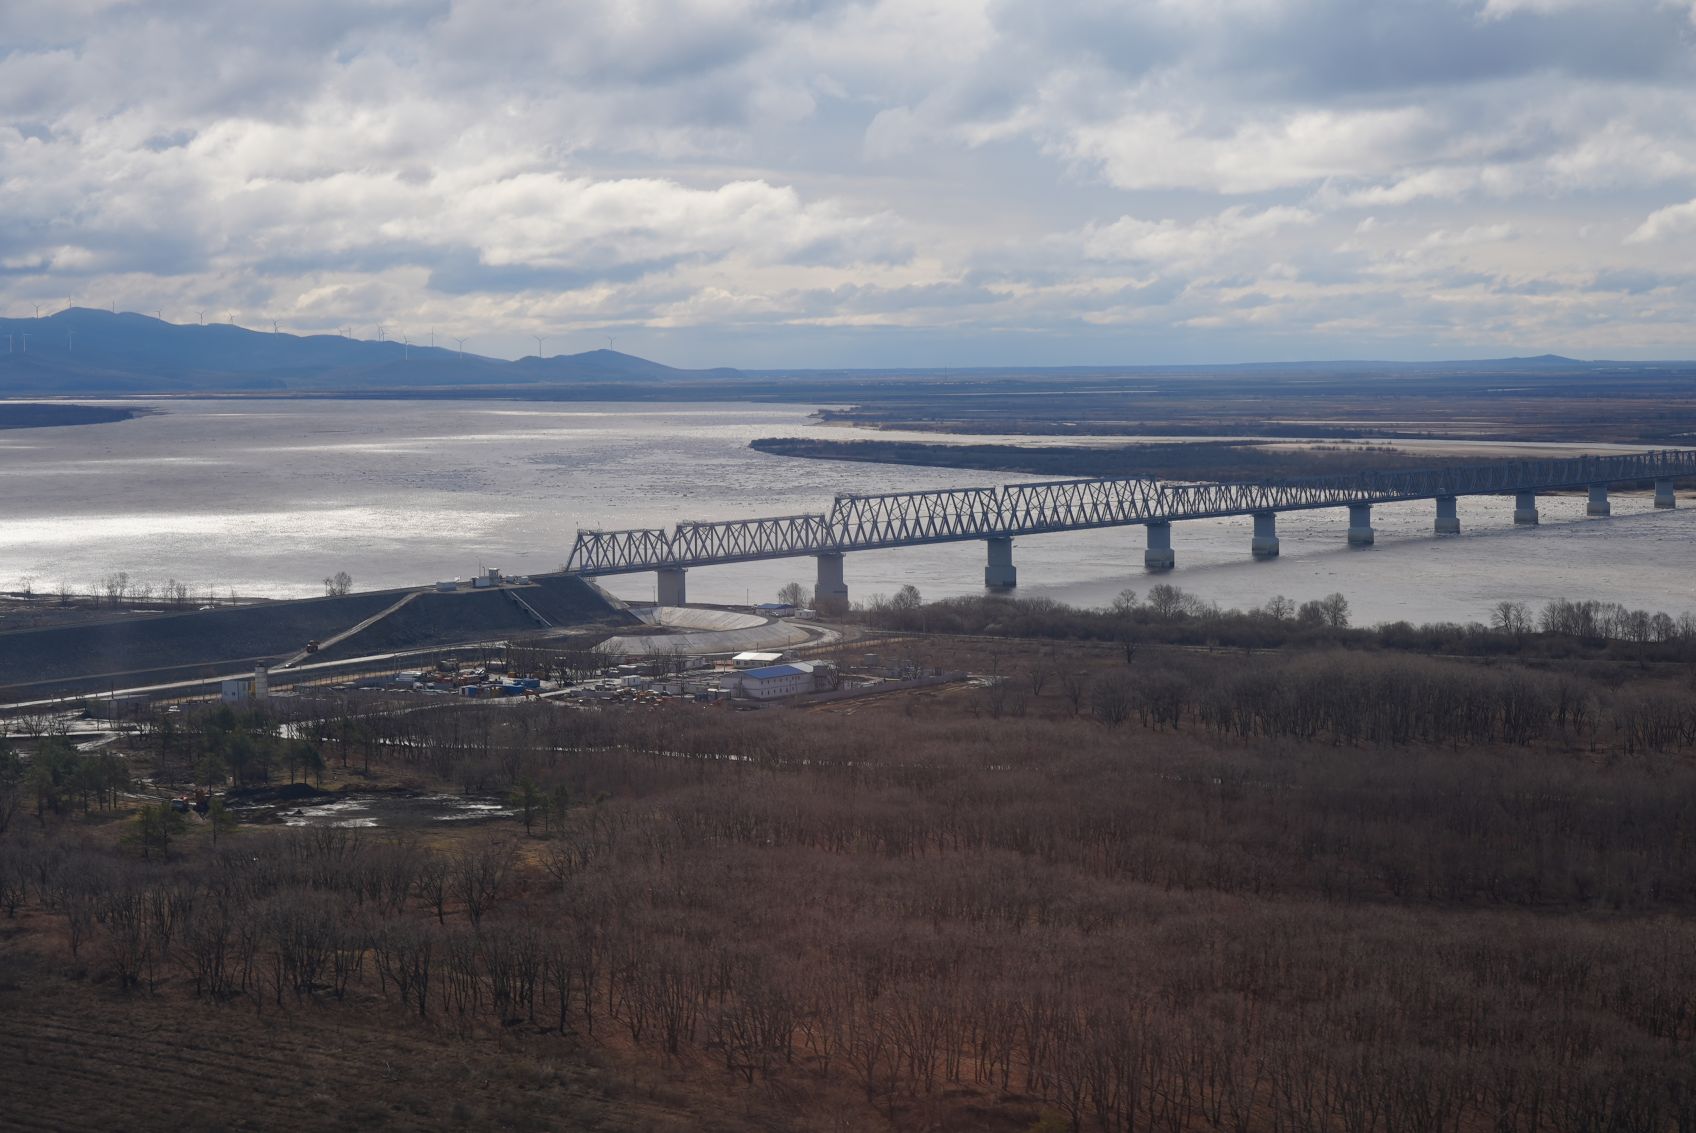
point(969, 171)
point(1169, 242)
point(1142, 150)
point(1665, 223)
point(1502, 9)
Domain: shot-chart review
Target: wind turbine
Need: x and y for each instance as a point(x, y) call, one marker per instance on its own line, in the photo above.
point(379, 332)
point(70, 340)
point(609, 342)
point(273, 326)
point(461, 342)
point(538, 339)
point(432, 338)
point(38, 310)
point(202, 316)
point(25, 336)
point(405, 348)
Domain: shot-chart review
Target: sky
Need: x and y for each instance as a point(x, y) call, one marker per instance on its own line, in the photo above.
point(867, 183)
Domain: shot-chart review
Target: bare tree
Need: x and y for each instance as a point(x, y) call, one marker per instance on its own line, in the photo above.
point(1112, 696)
point(906, 598)
point(116, 585)
point(476, 874)
point(1510, 618)
point(1167, 601)
point(1074, 684)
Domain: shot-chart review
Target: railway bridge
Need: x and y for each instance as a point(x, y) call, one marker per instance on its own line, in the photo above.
point(997, 515)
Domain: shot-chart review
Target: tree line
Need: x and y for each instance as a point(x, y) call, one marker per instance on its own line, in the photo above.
point(1167, 614)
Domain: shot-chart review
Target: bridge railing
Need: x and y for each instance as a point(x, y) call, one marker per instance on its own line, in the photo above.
point(897, 519)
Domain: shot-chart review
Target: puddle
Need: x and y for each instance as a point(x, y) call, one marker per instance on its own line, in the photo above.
point(389, 811)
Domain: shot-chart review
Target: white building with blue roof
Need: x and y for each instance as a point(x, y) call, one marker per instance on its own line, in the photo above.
point(773, 681)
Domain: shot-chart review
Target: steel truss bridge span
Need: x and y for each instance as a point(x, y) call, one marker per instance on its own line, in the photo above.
point(908, 519)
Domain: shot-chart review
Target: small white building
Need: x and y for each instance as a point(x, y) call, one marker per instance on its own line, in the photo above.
point(239, 689)
point(755, 660)
point(773, 681)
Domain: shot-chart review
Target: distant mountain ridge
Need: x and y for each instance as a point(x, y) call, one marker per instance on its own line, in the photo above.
point(81, 350)
point(85, 352)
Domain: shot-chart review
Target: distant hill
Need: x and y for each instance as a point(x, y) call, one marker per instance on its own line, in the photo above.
point(82, 351)
point(611, 366)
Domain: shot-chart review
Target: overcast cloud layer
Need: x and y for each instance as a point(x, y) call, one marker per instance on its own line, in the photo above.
point(910, 182)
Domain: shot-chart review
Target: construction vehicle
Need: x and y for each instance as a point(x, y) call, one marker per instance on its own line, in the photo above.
point(199, 800)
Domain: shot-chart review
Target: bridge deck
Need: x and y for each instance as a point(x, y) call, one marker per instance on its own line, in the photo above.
point(907, 519)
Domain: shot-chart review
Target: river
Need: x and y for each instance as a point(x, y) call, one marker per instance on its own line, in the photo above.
point(270, 496)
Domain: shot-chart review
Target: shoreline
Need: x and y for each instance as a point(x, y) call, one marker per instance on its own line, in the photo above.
point(53, 415)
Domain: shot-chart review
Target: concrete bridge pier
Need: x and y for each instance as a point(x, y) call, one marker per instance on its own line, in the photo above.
point(1448, 519)
point(1525, 509)
point(672, 591)
point(999, 573)
point(1159, 554)
point(1663, 494)
point(1265, 544)
point(830, 593)
point(1598, 504)
point(1361, 533)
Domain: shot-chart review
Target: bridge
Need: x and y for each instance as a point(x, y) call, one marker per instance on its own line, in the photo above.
point(997, 515)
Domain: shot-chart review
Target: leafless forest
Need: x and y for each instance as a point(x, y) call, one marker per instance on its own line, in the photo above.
point(1187, 889)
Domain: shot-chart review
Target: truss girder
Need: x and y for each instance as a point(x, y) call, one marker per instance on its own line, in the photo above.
point(903, 519)
point(738, 540)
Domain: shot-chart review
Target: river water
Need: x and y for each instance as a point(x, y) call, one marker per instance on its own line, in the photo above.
point(270, 496)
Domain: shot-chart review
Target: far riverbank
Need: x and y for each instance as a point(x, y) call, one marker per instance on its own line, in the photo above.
point(38, 415)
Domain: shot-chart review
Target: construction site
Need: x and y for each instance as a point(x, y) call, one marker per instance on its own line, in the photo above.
point(491, 638)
